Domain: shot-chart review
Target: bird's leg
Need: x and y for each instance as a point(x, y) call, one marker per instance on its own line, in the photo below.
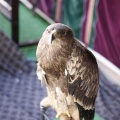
point(44, 104)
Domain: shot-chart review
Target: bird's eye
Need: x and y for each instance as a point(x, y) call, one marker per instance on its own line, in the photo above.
point(53, 28)
point(64, 32)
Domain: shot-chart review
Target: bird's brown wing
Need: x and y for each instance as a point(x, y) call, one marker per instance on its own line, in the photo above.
point(82, 77)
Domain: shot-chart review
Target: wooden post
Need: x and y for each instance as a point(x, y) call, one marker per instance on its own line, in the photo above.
point(15, 20)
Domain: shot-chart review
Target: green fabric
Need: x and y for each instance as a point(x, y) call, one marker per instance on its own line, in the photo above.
point(30, 52)
point(97, 117)
point(30, 27)
point(72, 15)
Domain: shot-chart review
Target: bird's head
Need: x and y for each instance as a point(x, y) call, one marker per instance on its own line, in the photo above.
point(59, 34)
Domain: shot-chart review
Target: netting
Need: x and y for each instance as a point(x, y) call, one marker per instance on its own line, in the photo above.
point(108, 100)
point(21, 92)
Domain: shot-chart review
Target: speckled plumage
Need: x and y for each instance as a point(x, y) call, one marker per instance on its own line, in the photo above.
point(69, 71)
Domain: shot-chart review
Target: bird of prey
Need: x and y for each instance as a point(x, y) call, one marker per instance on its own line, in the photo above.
point(70, 73)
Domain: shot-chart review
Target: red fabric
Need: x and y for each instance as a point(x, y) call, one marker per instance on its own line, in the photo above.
point(107, 41)
point(46, 6)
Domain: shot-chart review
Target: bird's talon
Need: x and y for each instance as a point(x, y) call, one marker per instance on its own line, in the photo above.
point(67, 113)
point(60, 113)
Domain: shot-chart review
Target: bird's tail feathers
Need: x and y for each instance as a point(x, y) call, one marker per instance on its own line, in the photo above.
point(86, 114)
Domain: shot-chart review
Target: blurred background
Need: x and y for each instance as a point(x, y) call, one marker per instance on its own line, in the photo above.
point(95, 23)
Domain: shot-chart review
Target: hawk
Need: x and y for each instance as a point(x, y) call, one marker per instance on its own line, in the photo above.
point(70, 73)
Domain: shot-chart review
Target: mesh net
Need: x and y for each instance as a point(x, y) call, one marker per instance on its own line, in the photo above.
point(20, 90)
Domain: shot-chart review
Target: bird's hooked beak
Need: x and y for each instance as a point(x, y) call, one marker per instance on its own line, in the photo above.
point(52, 36)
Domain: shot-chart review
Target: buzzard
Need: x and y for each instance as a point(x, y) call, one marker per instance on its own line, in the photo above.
point(70, 73)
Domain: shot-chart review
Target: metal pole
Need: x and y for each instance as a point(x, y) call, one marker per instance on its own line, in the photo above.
point(15, 20)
